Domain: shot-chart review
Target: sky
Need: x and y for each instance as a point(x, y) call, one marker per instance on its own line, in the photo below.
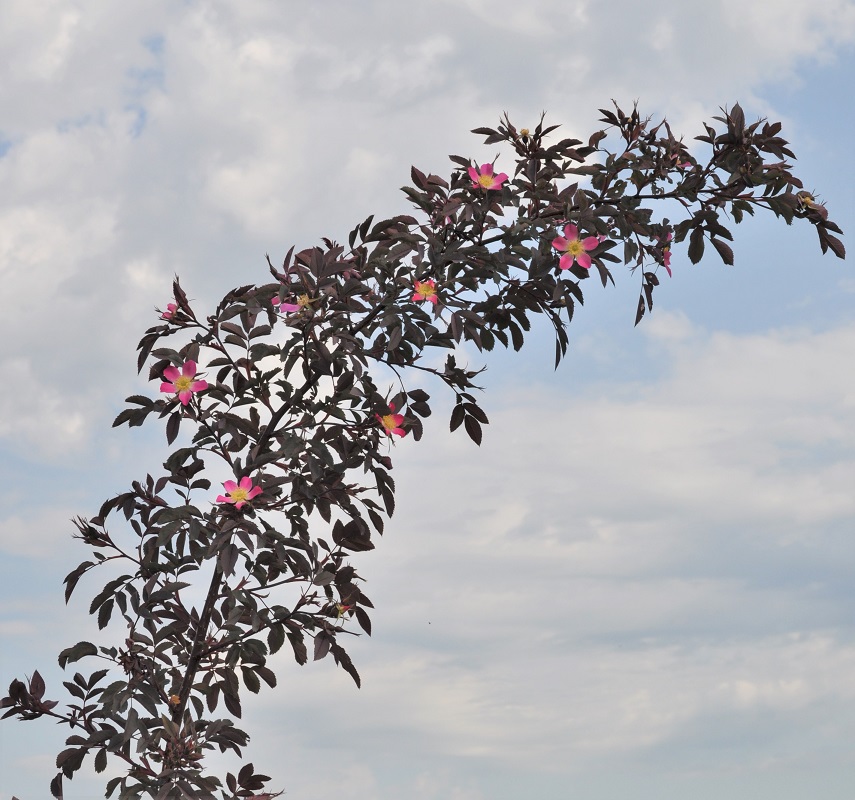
point(640, 585)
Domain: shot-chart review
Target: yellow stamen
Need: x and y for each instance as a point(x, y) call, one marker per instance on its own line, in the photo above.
point(575, 247)
point(183, 383)
point(389, 422)
point(238, 495)
point(486, 181)
point(303, 300)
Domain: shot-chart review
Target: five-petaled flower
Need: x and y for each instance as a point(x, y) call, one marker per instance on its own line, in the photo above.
point(171, 308)
point(392, 422)
point(573, 248)
point(426, 291)
point(485, 179)
point(239, 493)
point(678, 163)
point(182, 383)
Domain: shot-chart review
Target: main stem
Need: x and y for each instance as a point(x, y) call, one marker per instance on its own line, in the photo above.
point(198, 643)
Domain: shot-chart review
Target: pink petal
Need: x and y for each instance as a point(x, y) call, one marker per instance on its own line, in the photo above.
point(566, 261)
point(240, 504)
point(171, 374)
point(167, 387)
point(184, 397)
point(198, 386)
point(559, 243)
point(256, 490)
point(392, 407)
point(486, 169)
point(668, 269)
point(590, 243)
point(397, 419)
point(571, 232)
point(501, 177)
point(245, 482)
point(221, 499)
point(473, 173)
point(584, 260)
point(433, 299)
point(398, 432)
point(189, 369)
point(230, 486)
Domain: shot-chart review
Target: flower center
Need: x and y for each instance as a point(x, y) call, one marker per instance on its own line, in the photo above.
point(426, 290)
point(238, 495)
point(303, 300)
point(183, 383)
point(575, 247)
point(485, 181)
point(389, 422)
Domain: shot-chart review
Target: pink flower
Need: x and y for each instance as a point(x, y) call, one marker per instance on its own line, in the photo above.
point(485, 179)
point(171, 308)
point(392, 422)
point(239, 493)
point(666, 256)
point(182, 383)
point(283, 307)
point(680, 164)
point(426, 291)
point(573, 248)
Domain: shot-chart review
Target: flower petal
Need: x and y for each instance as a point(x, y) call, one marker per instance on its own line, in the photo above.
point(566, 261)
point(245, 482)
point(230, 486)
point(189, 369)
point(171, 374)
point(473, 173)
point(590, 243)
point(559, 243)
point(256, 490)
point(584, 260)
point(571, 231)
point(486, 169)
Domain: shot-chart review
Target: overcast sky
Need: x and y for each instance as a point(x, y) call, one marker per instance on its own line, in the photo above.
point(640, 586)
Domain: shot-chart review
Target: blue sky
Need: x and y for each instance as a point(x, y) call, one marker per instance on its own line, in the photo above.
point(640, 585)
